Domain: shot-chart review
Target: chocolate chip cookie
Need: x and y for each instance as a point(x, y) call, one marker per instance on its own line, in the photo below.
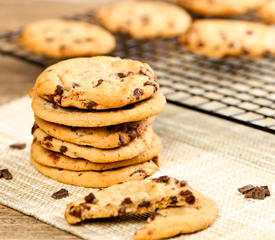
point(63, 38)
point(144, 19)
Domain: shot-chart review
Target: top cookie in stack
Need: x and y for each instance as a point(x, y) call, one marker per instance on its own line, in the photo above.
point(93, 120)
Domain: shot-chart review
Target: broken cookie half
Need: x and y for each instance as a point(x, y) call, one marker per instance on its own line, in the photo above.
point(177, 207)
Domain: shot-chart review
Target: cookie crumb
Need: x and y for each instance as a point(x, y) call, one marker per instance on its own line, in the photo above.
point(5, 173)
point(62, 193)
point(18, 146)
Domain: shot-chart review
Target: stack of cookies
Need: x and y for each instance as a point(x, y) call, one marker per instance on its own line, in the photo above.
point(93, 120)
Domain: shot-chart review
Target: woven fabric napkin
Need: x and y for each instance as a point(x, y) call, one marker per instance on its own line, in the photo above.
point(215, 156)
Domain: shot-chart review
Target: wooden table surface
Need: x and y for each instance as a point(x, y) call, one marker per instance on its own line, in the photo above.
point(16, 78)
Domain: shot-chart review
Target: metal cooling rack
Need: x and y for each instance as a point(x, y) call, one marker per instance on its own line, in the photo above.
point(237, 89)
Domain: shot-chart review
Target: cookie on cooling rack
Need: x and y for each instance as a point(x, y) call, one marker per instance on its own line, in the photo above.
point(220, 7)
point(63, 38)
point(219, 38)
point(144, 19)
point(267, 11)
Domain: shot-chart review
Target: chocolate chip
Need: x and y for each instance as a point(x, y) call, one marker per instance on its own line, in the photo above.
point(249, 32)
point(256, 193)
point(62, 193)
point(89, 39)
point(59, 90)
point(231, 45)
point(62, 48)
point(48, 138)
point(148, 83)
point(99, 82)
point(145, 19)
point(75, 85)
point(48, 145)
point(5, 173)
point(138, 92)
point(54, 105)
point(90, 198)
point(91, 105)
point(122, 211)
point(63, 149)
point(49, 39)
point(246, 189)
point(173, 200)
point(138, 171)
point(132, 134)
point(153, 216)
point(245, 51)
point(144, 204)
point(76, 212)
point(126, 201)
point(155, 160)
point(162, 179)
point(176, 181)
point(121, 75)
point(185, 193)
point(266, 190)
point(183, 183)
point(201, 44)
point(190, 199)
point(85, 206)
point(145, 72)
point(121, 141)
point(18, 146)
point(54, 156)
point(34, 127)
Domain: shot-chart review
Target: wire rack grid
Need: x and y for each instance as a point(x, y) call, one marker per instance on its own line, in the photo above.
point(237, 89)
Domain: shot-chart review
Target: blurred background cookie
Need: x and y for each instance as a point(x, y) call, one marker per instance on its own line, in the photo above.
point(63, 38)
point(144, 19)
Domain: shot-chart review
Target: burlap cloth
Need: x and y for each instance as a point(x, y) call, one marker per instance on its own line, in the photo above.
point(214, 155)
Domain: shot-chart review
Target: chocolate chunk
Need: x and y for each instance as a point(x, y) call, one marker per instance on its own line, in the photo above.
point(5, 173)
point(144, 204)
point(18, 146)
point(176, 181)
point(49, 39)
point(75, 85)
point(91, 105)
point(48, 138)
point(148, 83)
point(62, 48)
point(85, 206)
point(132, 133)
point(173, 200)
point(54, 156)
point(201, 44)
point(183, 183)
point(34, 127)
point(89, 39)
point(121, 75)
point(59, 90)
point(185, 193)
point(266, 190)
point(138, 92)
point(246, 189)
point(153, 216)
point(145, 19)
point(162, 179)
point(138, 171)
point(99, 82)
point(62, 193)
point(121, 141)
point(48, 145)
point(122, 211)
point(190, 199)
point(90, 198)
point(256, 193)
point(126, 201)
point(54, 106)
point(76, 212)
point(63, 149)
